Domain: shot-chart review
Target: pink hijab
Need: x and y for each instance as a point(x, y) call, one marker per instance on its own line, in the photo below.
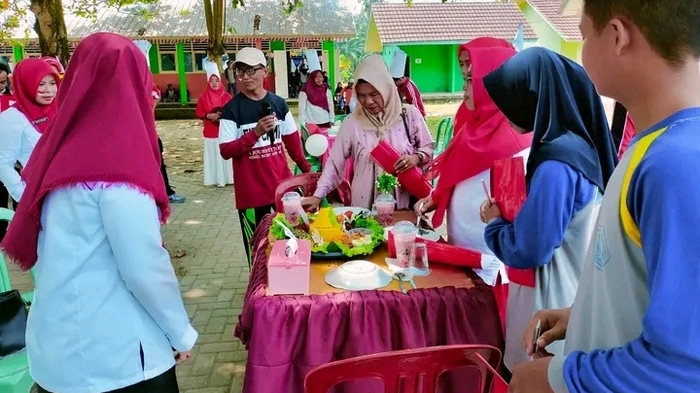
point(113, 141)
point(317, 94)
point(27, 77)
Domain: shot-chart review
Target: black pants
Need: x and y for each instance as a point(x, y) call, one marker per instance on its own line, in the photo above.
point(8, 203)
point(163, 172)
point(164, 383)
point(250, 218)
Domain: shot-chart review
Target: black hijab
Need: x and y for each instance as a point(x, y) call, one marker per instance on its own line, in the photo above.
point(540, 90)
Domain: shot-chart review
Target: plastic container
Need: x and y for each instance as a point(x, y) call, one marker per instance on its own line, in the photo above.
point(291, 204)
point(385, 205)
point(404, 234)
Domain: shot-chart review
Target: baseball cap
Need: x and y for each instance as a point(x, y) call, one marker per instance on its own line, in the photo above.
point(251, 57)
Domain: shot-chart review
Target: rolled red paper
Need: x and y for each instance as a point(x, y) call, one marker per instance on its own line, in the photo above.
point(412, 180)
point(508, 189)
point(445, 253)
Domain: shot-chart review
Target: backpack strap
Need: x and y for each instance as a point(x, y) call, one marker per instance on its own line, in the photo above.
point(404, 117)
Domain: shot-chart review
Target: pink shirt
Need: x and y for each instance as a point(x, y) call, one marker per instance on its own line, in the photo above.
point(356, 143)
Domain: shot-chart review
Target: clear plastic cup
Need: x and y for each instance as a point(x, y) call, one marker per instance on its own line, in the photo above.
point(404, 234)
point(291, 204)
point(385, 204)
point(419, 261)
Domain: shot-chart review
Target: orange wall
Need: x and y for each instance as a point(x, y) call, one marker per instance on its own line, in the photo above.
point(196, 82)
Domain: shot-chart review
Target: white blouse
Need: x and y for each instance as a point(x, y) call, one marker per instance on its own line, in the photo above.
point(17, 140)
point(105, 292)
point(464, 226)
point(309, 113)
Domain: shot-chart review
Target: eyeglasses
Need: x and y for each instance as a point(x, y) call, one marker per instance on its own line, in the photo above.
point(248, 71)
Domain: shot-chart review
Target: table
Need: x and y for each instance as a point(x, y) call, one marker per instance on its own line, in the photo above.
point(287, 336)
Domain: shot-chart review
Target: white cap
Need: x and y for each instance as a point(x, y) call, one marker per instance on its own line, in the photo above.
point(250, 57)
point(398, 64)
point(312, 60)
point(210, 68)
point(145, 47)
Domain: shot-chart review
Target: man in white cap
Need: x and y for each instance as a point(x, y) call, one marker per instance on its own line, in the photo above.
point(407, 89)
point(254, 129)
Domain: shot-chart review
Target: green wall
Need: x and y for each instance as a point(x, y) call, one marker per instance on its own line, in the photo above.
point(437, 72)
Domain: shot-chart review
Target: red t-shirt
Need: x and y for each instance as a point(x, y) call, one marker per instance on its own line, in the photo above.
point(259, 164)
point(409, 93)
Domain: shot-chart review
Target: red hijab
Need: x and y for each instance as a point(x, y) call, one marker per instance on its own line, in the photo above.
point(317, 94)
point(627, 136)
point(26, 77)
point(485, 137)
point(105, 134)
point(55, 64)
point(463, 114)
point(214, 100)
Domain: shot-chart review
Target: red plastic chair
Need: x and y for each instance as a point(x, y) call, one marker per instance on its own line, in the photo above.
point(412, 370)
point(306, 182)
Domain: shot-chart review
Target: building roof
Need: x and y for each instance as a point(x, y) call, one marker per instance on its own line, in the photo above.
point(571, 7)
point(449, 22)
point(322, 19)
point(566, 26)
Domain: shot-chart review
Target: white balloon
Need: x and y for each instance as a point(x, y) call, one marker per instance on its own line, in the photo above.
point(316, 145)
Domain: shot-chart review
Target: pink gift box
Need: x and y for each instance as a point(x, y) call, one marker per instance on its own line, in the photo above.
point(289, 276)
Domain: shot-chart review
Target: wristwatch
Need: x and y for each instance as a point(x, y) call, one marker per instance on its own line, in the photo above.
point(421, 157)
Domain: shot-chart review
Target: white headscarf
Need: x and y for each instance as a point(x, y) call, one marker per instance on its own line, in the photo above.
point(373, 70)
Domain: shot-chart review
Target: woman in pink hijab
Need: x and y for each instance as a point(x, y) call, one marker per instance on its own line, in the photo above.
point(55, 64)
point(107, 308)
point(35, 87)
point(316, 102)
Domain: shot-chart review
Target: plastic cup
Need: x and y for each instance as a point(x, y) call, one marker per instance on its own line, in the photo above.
point(404, 234)
point(419, 262)
point(291, 204)
point(385, 205)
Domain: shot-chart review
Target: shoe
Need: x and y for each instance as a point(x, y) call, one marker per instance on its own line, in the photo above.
point(176, 198)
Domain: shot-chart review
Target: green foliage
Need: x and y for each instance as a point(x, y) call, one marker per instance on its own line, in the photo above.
point(387, 183)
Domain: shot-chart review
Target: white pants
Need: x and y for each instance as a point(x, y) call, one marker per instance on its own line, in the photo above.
point(217, 171)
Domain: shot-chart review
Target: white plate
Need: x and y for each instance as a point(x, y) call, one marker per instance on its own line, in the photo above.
point(358, 276)
point(355, 210)
point(426, 234)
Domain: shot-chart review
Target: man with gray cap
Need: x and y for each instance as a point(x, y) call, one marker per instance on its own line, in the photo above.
point(255, 126)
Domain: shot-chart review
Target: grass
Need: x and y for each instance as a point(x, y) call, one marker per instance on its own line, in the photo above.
point(433, 122)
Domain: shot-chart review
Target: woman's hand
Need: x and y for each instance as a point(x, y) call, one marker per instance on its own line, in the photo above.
point(406, 162)
point(424, 206)
point(553, 325)
point(489, 211)
point(213, 116)
point(311, 203)
point(181, 357)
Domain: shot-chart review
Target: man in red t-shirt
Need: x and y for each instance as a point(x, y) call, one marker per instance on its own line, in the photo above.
point(409, 93)
point(254, 128)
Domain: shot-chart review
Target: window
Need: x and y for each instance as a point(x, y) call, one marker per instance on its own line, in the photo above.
point(199, 60)
point(194, 54)
point(168, 62)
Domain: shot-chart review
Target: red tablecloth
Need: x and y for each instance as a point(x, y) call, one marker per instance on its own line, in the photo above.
point(286, 336)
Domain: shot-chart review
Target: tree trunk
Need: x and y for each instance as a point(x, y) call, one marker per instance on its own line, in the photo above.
point(50, 26)
point(214, 16)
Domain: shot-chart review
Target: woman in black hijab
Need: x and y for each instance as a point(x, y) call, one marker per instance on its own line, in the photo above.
point(570, 162)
